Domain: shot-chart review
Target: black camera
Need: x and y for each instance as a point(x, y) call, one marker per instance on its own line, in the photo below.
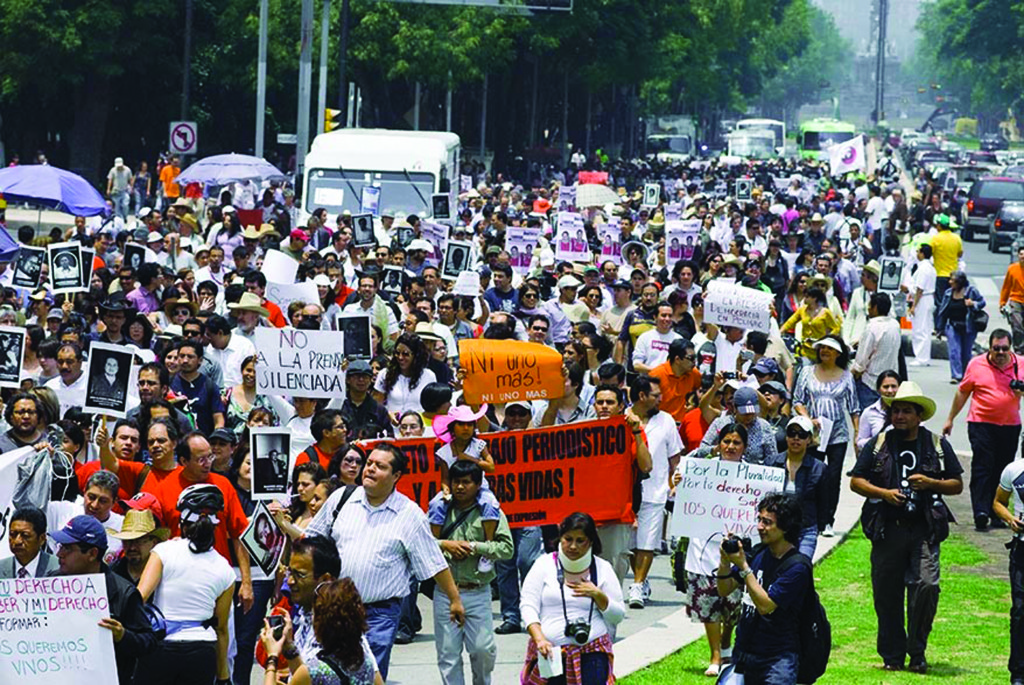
point(276, 623)
point(729, 375)
point(732, 545)
point(578, 631)
point(1017, 385)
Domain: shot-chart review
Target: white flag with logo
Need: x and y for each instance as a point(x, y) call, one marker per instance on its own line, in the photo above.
point(847, 156)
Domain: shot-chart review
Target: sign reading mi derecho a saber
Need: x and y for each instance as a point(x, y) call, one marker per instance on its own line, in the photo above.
point(508, 371)
point(49, 632)
point(303, 363)
point(544, 474)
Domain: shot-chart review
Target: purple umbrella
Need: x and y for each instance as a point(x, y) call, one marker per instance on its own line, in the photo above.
point(221, 170)
point(47, 186)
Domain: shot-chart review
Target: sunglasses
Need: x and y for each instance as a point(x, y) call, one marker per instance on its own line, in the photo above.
point(797, 433)
point(1000, 348)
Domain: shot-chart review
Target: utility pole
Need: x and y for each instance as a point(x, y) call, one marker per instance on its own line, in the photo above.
point(325, 30)
point(343, 54)
point(305, 87)
point(186, 61)
point(261, 79)
point(883, 21)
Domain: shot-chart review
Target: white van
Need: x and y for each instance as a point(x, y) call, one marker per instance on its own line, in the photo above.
point(407, 166)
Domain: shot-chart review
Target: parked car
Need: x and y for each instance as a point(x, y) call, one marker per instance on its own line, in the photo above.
point(1006, 226)
point(993, 141)
point(984, 199)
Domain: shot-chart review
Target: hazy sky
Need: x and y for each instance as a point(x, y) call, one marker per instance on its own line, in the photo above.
point(854, 19)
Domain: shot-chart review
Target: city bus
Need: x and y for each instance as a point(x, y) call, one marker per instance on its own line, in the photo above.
point(774, 125)
point(817, 135)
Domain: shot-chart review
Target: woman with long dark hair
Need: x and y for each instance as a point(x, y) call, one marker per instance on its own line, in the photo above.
point(399, 385)
point(955, 318)
point(192, 585)
point(875, 417)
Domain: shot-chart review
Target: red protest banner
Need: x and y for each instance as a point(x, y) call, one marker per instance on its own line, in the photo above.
point(544, 474)
point(599, 177)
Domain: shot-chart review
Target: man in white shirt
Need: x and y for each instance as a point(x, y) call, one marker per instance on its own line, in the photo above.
point(652, 346)
point(70, 384)
point(373, 306)
point(879, 349)
point(227, 350)
point(922, 287)
point(665, 447)
point(877, 211)
point(214, 270)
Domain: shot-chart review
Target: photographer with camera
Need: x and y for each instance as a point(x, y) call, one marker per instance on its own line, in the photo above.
point(904, 473)
point(994, 384)
point(776, 579)
point(571, 599)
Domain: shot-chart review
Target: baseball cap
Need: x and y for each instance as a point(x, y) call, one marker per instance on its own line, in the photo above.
point(55, 314)
point(591, 269)
point(745, 400)
point(493, 249)
point(803, 422)
point(625, 285)
point(298, 234)
point(224, 434)
point(520, 404)
point(145, 500)
point(775, 387)
point(359, 366)
point(83, 529)
point(765, 366)
point(568, 281)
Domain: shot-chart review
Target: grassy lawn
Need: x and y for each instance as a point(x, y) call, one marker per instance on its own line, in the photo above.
point(969, 643)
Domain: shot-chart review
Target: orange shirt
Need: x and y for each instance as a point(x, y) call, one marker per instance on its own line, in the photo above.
point(127, 476)
point(674, 389)
point(322, 457)
point(276, 317)
point(692, 429)
point(1013, 285)
point(167, 176)
point(233, 520)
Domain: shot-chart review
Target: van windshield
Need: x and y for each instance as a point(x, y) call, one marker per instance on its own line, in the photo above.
point(337, 191)
point(821, 140)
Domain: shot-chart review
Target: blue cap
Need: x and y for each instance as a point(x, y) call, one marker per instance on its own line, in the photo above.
point(765, 366)
point(83, 529)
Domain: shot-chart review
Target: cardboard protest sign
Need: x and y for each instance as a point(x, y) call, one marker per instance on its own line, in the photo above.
point(283, 294)
point(598, 177)
point(571, 240)
point(369, 200)
point(468, 284)
point(355, 329)
point(12, 353)
point(506, 371)
point(673, 211)
point(567, 198)
point(717, 496)
point(108, 376)
point(731, 304)
point(279, 267)
point(269, 449)
point(393, 278)
point(291, 362)
point(465, 183)
point(362, 231)
point(28, 267)
point(50, 631)
point(134, 255)
point(544, 474)
point(681, 239)
point(652, 194)
point(520, 243)
point(65, 267)
point(88, 254)
point(892, 274)
point(440, 204)
point(456, 259)
point(608, 234)
point(437, 235)
point(262, 539)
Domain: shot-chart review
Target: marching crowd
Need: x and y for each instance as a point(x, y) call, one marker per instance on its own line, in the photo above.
point(158, 501)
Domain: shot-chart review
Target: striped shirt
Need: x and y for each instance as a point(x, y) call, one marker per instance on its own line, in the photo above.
point(380, 546)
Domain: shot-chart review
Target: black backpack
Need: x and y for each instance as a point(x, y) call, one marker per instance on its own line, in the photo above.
point(815, 630)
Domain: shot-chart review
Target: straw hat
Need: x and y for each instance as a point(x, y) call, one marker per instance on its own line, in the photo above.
point(171, 305)
point(250, 302)
point(911, 392)
point(139, 523)
point(873, 267)
point(425, 331)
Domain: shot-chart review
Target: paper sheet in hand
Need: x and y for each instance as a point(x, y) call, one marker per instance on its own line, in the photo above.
point(825, 432)
point(731, 304)
point(279, 267)
point(468, 283)
point(550, 667)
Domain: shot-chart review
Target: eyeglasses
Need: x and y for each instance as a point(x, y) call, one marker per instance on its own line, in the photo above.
point(797, 433)
point(1000, 348)
point(539, 329)
point(526, 295)
point(690, 357)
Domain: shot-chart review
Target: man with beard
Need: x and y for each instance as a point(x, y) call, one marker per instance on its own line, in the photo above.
point(153, 384)
point(636, 323)
point(24, 415)
point(140, 533)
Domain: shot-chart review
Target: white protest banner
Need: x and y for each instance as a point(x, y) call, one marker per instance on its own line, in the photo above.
point(51, 633)
point(681, 238)
point(465, 184)
point(283, 294)
point(567, 198)
point(571, 243)
point(673, 211)
point(8, 481)
point(609, 235)
point(369, 201)
point(468, 283)
point(717, 496)
point(731, 304)
point(279, 267)
point(437, 235)
point(520, 242)
point(299, 363)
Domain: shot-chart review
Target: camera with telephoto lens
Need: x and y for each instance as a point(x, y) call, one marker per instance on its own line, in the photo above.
point(578, 631)
point(732, 545)
point(909, 497)
point(1017, 384)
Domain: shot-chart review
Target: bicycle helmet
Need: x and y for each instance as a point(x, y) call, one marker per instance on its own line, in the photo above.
point(201, 499)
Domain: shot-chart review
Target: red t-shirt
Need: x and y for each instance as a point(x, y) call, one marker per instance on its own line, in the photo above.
point(127, 476)
point(276, 317)
point(322, 457)
point(233, 520)
point(692, 429)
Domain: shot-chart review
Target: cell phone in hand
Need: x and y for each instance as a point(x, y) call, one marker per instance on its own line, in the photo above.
point(276, 622)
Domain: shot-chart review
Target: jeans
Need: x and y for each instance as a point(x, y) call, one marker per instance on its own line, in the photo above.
point(176, 663)
point(833, 456)
point(960, 344)
point(777, 669)
point(527, 546)
point(411, 621)
point(247, 630)
point(382, 622)
point(1017, 611)
point(1016, 321)
point(866, 395)
point(476, 635)
point(139, 200)
point(904, 568)
point(808, 541)
point(593, 670)
point(120, 200)
point(992, 448)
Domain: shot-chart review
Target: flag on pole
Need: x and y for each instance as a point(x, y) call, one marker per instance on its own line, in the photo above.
point(847, 156)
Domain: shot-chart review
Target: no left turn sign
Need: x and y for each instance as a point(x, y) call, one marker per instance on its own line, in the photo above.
point(184, 137)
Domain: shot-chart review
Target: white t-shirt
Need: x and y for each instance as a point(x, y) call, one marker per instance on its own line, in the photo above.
point(664, 442)
point(1012, 479)
point(402, 397)
point(652, 347)
point(726, 352)
point(190, 586)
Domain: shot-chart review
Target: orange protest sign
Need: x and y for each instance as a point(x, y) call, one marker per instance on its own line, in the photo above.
point(509, 370)
point(544, 474)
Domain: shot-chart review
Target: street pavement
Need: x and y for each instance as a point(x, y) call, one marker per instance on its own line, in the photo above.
point(648, 635)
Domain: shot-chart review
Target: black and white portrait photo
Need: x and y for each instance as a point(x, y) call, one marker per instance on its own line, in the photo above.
point(362, 231)
point(456, 259)
point(134, 255)
point(28, 267)
point(356, 331)
point(441, 206)
point(87, 256)
point(391, 282)
point(12, 351)
point(652, 194)
point(892, 274)
point(270, 448)
point(263, 539)
point(65, 267)
point(106, 390)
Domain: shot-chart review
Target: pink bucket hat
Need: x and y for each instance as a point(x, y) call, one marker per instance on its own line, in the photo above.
point(461, 413)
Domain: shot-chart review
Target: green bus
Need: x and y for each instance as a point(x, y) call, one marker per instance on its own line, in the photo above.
point(817, 135)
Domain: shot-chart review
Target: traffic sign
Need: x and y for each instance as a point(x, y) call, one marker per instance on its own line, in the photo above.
point(184, 137)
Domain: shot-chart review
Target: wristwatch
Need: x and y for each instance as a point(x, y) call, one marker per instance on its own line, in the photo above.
point(744, 573)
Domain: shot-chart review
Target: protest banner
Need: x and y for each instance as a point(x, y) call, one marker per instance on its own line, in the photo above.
point(717, 496)
point(299, 363)
point(681, 238)
point(598, 177)
point(544, 474)
point(609, 235)
point(9, 462)
point(567, 198)
point(508, 371)
point(571, 243)
point(731, 304)
point(283, 294)
point(520, 242)
point(279, 267)
point(49, 631)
